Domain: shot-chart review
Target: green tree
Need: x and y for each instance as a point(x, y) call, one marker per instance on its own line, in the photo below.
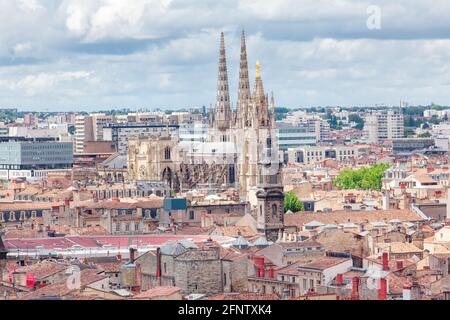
point(358, 120)
point(367, 178)
point(292, 203)
point(424, 135)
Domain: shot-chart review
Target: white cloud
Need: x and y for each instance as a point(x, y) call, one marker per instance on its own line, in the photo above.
point(146, 52)
point(32, 5)
point(44, 83)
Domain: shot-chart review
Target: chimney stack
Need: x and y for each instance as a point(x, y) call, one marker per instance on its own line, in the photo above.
point(382, 292)
point(385, 261)
point(407, 292)
point(339, 279)
point(158, 264)
point(132, 257)
point(355, 289)
point(271, 273)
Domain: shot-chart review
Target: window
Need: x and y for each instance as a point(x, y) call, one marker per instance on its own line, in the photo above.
point(117, 227)
point(127, 227)
point(274, 210)
point(165, 267)
point(224, 279)
point(304, 284)
point(136, 227)
point(311, 284)
point(191, 215)
point(167, 152)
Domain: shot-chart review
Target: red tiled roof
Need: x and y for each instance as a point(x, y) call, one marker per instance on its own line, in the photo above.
point(60, 289)
point(246, 296)
point(42, 269)
point(157, 292)
point(300, 219)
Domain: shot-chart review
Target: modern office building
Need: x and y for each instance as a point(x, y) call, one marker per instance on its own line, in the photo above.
point(382, 125)
point(33, 158)
point(294, 136)
point(35, 154)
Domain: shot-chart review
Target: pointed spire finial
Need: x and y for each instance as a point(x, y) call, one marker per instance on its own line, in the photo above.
point(258, 69)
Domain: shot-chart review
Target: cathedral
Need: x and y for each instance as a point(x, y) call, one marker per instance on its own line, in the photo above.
point(241, 149)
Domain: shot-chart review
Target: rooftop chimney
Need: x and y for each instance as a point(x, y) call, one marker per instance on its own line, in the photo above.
point(339, 279)
point(355, 289)
point(271, 273)
point(382, 292)
point(158, 264)
point(407, 292)
point(132, 257)
point(385, 261)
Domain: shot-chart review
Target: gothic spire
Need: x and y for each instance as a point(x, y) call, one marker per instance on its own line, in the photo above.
point(260, 99)
point(223, 109)
point(244, 84)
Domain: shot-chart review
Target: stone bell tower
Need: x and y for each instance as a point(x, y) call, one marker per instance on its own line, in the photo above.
point(270, 196)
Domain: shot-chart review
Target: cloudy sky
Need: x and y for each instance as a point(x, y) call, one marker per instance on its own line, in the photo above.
point(97, 54)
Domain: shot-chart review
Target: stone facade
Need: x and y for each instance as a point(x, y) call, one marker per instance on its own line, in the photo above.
point(196, 270)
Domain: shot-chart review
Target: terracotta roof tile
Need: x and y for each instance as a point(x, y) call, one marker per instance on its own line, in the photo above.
point(157, 292)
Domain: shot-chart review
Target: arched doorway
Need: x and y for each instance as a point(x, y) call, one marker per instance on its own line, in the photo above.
point(167, 176)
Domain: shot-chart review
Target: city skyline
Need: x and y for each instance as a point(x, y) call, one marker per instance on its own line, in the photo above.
point(94, 55)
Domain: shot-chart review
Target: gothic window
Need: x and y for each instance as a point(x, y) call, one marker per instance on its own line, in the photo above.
point(274, 210)
point(167, 152)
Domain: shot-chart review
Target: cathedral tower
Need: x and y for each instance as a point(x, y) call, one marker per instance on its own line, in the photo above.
point(223, 114)
point(244, 95)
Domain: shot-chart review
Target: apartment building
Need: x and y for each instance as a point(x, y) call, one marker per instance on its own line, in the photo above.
point(310, 154)
point(382, 125)
point(90, 129)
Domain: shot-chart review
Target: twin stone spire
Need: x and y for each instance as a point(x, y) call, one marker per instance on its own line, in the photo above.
point(251, 110)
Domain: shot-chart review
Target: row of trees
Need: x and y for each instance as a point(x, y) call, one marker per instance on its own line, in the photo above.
point(367, 178)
